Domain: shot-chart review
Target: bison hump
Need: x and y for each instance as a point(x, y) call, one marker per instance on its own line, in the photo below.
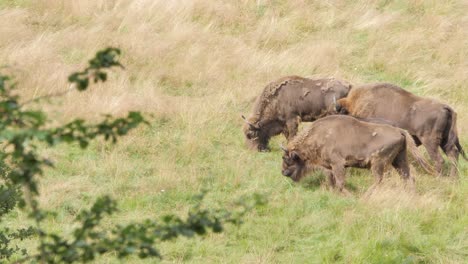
point(272, 90)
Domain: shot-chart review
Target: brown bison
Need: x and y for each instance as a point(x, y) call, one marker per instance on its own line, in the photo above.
point(337, 142)
point(431, 123)
point(285, 101)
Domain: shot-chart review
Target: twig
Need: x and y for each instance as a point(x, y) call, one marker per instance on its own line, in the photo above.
point(48, 96)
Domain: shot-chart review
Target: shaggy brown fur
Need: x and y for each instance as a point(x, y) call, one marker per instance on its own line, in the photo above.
point(431, 123)
point(338, 141)
point(287, 101)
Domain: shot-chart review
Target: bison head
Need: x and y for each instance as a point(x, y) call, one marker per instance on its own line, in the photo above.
point(342, 106)
point(253, 134)
point(258, 133)
point(293, 165)
point(333, 91)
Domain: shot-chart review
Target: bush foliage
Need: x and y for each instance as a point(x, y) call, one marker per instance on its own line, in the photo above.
point(24, 131)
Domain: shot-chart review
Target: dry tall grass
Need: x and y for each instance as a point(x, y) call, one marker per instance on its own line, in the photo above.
point(197, 65)
point(208, 49)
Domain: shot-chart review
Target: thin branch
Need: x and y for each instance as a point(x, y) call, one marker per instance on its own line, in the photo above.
point(49, 96)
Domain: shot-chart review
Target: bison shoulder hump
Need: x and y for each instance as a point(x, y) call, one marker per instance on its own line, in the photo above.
point(271, 90)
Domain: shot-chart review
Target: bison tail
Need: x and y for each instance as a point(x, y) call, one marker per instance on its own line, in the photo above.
point(416, 154)
point(462, 152)
point(451, 136)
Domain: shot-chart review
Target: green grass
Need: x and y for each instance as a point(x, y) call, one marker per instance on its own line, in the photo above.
point(14, 3)
point(302, 223)
point(196, 68)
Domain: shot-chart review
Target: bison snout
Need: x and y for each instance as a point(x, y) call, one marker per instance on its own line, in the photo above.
point(263, 148)
point(338, 107)
point(286, 173)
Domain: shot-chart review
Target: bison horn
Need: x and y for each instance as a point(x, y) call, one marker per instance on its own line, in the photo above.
point(333, 106)
point(250, 124)
point(283, 148)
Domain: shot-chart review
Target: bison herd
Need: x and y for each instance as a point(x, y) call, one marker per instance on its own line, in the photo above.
point(370, 126)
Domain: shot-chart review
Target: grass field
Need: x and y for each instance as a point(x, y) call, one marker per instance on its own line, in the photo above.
point(196, 66)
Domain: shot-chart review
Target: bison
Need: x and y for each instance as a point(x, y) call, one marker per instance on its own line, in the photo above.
point(283, 103)
point(337, 142)
point(431, 123)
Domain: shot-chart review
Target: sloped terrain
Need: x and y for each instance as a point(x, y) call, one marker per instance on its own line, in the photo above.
point(196, 66)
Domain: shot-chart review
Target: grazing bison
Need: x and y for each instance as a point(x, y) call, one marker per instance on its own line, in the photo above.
point(285, 101)
point(337, 142)
point(431, 123)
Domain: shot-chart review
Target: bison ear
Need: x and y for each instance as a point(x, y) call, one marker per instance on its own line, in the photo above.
point(295, 156)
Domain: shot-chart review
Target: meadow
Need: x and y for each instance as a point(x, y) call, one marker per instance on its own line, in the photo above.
point(193, 67)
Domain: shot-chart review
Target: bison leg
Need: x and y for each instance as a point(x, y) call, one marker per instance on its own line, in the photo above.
point(338, 172)
point(330, 177)
point(290, 129)
point(453, 155)
point(377, 169)
point(400, 163)
point(432, 147)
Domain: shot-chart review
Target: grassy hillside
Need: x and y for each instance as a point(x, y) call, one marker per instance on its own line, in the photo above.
point(197, 66)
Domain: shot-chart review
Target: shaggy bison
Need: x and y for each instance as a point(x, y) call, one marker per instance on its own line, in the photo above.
point(431, 123)
point(339, 141)
point(285, 101)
